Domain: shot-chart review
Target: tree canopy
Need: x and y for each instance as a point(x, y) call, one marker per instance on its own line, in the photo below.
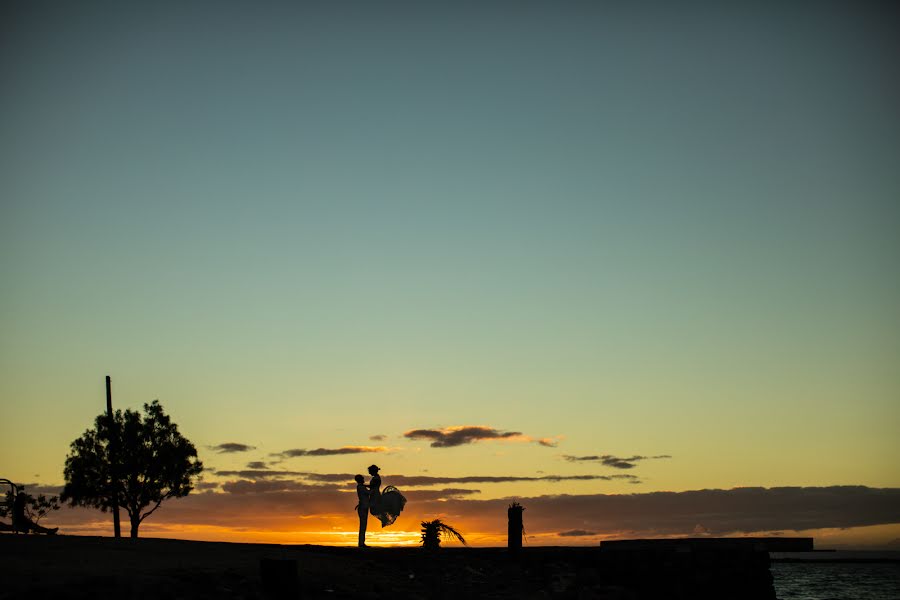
point(151, 462)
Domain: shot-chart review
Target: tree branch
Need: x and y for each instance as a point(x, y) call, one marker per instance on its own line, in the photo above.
point(150, 512)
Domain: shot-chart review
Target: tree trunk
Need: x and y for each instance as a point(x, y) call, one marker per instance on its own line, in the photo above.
point(135, 523)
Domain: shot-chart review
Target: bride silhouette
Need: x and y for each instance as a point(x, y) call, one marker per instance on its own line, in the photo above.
point(387, 505)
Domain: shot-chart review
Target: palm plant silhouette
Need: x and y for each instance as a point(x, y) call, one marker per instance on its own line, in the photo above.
point(432, 532)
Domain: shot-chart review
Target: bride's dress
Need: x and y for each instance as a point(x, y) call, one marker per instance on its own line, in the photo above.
point(386, 505)
point(390, 505)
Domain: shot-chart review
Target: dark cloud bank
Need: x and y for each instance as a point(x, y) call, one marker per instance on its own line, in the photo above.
point(269, 503)
point(740, 510)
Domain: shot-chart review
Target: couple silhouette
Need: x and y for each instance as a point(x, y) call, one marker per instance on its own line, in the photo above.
point(386, 506)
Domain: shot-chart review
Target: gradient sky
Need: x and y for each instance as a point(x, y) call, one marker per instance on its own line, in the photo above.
point(627, 230)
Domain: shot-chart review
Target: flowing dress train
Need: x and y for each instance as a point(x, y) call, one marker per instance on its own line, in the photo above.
point(387, 505)
point(390, 505)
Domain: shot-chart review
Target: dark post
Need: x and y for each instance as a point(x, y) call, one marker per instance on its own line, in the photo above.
point(117, 527)
point(516, 528)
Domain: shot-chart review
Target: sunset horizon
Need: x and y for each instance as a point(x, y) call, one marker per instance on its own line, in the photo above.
point(633, 267)
point(284, 497)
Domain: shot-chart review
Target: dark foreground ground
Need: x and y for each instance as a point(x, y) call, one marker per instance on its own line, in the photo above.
point(90, 567)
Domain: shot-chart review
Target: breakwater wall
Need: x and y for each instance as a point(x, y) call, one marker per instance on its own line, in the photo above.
point(697, 568)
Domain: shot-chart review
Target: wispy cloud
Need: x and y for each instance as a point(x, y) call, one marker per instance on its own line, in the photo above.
point(548, 442)
point(231, 447)
point(257, 464)
point(419, 480)
point(425, 480)
point(379, 437)
point(259, 473)
point(576, 533)
point(206, 485)
point(448, 437)
point(37, 488)
point(443, 494)
point(616, 462)
point(244, 486)
point(294, 452)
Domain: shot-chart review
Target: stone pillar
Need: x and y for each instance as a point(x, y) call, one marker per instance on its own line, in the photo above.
point(516, 529)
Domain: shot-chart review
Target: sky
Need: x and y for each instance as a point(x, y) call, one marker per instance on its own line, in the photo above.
point(621, 262)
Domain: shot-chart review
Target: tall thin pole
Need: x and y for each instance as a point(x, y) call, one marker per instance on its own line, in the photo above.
point(117, 527)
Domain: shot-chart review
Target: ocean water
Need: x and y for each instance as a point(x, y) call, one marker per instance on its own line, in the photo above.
point(836, 581)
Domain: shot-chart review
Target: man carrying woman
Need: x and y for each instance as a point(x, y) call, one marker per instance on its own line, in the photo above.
point(386, 506)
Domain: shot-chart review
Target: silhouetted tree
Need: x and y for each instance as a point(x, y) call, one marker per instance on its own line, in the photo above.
point(432, 531)
point(153, 462)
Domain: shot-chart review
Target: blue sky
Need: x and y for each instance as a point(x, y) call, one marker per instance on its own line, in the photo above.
point(635, 229)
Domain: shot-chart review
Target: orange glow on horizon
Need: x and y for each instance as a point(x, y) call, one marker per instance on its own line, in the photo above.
point(343, 532)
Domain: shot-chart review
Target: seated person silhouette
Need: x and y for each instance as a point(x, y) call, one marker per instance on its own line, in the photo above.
point(21, 522)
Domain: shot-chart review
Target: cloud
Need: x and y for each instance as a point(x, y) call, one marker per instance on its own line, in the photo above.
point(268, 486)
point(425, 480)
point(429, 480)
point(294, 452)
point(449, 437)
point(615, 462)
point(722, 512)
point(548, 442)
point(258, 473)
point(378, 437)
point(36, 489)
point(420, 480)
point(206, 485)
point(576, 533)
point(444, 494)
point(277, 506)
point(257, 464)
point(244, 486)
point(231, 447)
